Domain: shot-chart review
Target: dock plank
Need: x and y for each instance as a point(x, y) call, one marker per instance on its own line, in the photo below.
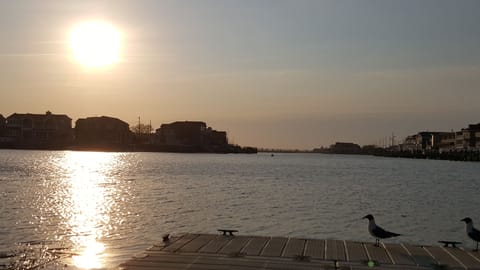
point(378, 254)
point(235, 245)
point(197, 243)
point(216, 252)
point(356, 252)
point(274, 247)
point(467, 260)
point(420, 255)
point(216, 244)
point(442, 257)
point(475, 254)
point(178, 243)
point(255, 246)
point(399, 255)
point(315, 249)
point(206, 261)
point(294, 247)
point(335, 250)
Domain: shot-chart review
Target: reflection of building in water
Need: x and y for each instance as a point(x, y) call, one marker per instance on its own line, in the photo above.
point(102, 132)
point(194, 135)
point(36, 130)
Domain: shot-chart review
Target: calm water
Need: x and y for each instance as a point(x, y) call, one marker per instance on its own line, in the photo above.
point(104, 207)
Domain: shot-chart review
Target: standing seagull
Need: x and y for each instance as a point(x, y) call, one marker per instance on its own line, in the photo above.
point(473, 233)
point(377, 232)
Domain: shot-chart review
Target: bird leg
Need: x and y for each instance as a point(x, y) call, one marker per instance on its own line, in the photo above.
point(377, 242)
point(476, 248)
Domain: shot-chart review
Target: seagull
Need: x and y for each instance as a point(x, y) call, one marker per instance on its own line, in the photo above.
point(377, 232)
point(473, 233)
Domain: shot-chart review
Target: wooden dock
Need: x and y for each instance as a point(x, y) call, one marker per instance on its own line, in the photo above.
point(209, 251)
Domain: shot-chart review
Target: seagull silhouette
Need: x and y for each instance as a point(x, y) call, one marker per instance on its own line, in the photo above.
point(473, 233)
point(377, 231)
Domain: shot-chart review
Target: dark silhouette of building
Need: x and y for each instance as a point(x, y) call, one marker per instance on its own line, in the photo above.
point(215, 139)
point(3, 124)
point(345, 148)
point(3, 130)
point(38, 131)
point(191, 136)
point(102, 133)
point(182, 133)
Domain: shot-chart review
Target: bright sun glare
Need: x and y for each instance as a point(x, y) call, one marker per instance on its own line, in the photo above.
point(95, 44)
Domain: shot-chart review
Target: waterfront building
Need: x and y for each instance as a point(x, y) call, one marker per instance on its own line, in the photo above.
point(447, 142)
point(102, 133)
point(466, 139)
point(423, 141)
point(215, 138)
point(3, 124)
point(3, 129)
point(193, 136)
point(477, 139)
point(345, 148)
point(39, 131)
point(182, 133)
point(411, 144)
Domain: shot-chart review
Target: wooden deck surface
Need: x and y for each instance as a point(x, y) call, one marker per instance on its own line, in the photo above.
point(209, 251)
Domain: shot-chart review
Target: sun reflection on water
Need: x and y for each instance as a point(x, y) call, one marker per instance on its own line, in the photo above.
point(89, 204)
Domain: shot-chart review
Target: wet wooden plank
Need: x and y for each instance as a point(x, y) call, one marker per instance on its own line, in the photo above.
point(335, 250)
point(291, 265)
point(196, 264)
point(274, 247)
point(356, 252)
point(378, 254)
point(205, 261)
point(179, 243)
point(474, 254)
point(420, 255)
point(226, 262)
point(443, 257)
point(255, 246)
point(399, 254)
point(197, 243)
point(216, 244)
point(315, 249)
point(464, 257)
point(235, 245)
point(294, 247)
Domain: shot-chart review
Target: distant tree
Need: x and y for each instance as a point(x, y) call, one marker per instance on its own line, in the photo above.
point(141, 128)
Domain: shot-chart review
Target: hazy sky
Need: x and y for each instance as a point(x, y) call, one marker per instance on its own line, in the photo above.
point(289, 74)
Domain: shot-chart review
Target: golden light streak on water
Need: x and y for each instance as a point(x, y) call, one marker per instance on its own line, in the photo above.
point(88, 205)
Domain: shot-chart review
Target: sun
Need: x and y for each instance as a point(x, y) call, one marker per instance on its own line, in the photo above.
point(95, 44)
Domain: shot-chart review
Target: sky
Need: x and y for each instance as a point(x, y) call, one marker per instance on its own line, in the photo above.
point(274, 74)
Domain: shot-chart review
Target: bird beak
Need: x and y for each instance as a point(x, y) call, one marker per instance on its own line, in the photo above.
point(364, 217)
point(463, 220)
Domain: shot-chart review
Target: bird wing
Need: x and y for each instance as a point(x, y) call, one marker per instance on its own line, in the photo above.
point(475, 234)
point(381, 233)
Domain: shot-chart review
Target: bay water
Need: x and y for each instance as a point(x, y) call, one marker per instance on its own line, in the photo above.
point(105, 207)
